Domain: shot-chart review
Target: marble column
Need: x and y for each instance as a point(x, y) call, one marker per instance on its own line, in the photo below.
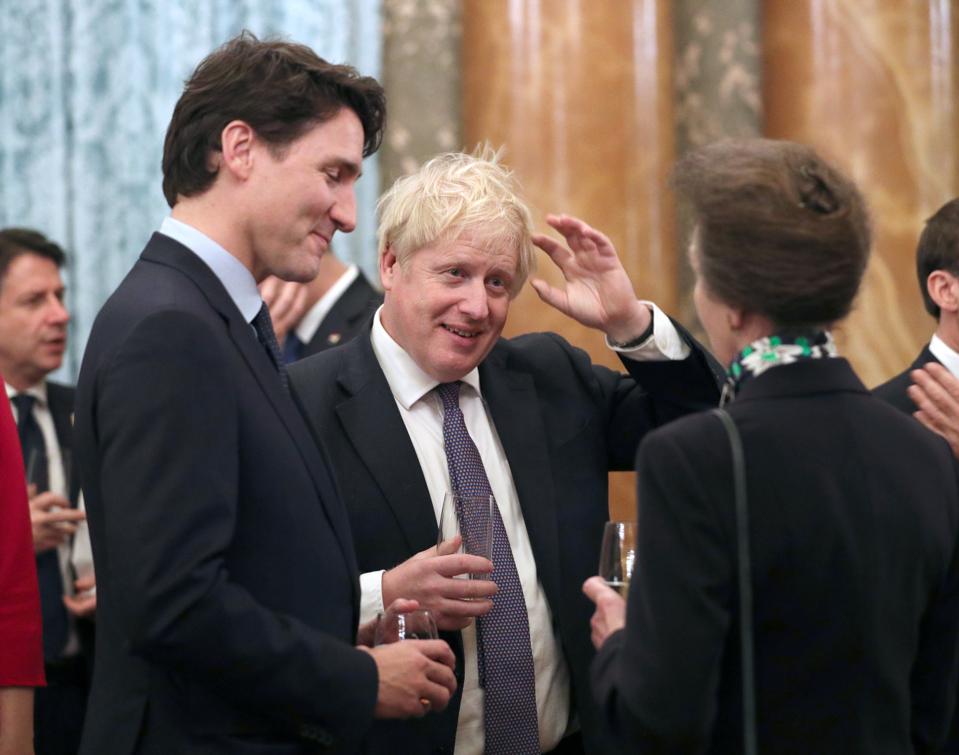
point(421, 76)
point(717, 91)
point(874, 85)
point(580, 94)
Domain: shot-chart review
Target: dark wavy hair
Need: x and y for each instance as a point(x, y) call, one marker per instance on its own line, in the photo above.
point(779, 231)
point(938, 249)
point(279, 88)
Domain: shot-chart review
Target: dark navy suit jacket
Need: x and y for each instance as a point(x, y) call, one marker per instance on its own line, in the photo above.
point(228, 594)
point(563, 422)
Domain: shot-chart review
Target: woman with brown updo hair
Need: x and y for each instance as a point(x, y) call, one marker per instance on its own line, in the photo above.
point(853, 507)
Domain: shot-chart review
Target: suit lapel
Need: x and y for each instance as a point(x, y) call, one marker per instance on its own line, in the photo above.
point(514, 407)
point(368, 412)
point(925, 356)
point(244, 338)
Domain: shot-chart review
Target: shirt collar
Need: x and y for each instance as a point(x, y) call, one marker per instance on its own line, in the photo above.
point(941, 351)
point(407, 381)
point(233, 274)
point(38, 391)
point(312, 319)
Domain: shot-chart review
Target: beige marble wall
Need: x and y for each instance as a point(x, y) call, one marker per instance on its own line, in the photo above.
point(874, 84)
point(421, 75)
point(580, 93)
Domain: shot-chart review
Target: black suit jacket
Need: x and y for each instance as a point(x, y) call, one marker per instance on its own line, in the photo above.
point(347, 317)
point(563, 423)
point(853, 519)
point(893, 391)
point(227, 585)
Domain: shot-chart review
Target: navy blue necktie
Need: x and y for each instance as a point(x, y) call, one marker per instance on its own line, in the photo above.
point(267, 338)
point(54, 614)
point(292, 347)
point(505, 656)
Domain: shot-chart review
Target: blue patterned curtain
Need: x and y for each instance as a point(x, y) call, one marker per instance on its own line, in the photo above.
point(87, 88)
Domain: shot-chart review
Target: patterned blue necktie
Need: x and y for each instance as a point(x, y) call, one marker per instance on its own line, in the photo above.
point(53, 613)
point(505, 656)
point(267, 338)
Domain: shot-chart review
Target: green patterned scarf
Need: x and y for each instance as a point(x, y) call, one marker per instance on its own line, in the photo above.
point(773, 351)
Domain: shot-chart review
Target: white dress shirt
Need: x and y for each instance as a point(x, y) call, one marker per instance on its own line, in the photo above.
point(422, 414)
point(941, 351)
point(58, 481)
point(311, 321)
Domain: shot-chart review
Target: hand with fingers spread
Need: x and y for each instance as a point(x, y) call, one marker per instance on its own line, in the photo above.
point(53, 520)
point(598, 293)
point(287, 301)
point(610, 614)
point(429, 578)
point(936, 393)
point(415, 677)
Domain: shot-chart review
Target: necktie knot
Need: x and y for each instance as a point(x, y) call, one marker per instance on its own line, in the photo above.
point(263, 326)
point(449, 394)
point(24, 403)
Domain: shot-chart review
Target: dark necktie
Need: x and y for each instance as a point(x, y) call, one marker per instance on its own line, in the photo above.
point(267, 338)
point(292, 347)
point(55, 628)
point(505, 656)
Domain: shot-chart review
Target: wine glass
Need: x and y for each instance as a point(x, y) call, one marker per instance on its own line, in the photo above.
point(407, 625)
point(477, 510)
point(617, 556)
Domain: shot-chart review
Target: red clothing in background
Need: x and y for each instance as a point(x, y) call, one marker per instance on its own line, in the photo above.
point(21, 642)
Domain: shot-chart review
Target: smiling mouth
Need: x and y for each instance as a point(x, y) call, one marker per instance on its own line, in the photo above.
point(461, 333)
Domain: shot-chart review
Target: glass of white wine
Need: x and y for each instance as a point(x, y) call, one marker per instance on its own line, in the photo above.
point(617, 556)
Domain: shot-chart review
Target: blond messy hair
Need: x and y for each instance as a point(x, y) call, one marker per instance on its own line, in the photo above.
point(455, 194)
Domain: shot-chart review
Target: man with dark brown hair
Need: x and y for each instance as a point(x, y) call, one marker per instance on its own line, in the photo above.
point(229, 596)
point(937, 267)
point(33, 339)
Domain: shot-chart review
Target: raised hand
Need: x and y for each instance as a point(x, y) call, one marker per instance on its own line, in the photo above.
point(428, 578)
point(936, 394)
point(598, 292)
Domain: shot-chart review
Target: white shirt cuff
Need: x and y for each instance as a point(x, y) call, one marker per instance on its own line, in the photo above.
point(371, 595)
point(663, 345)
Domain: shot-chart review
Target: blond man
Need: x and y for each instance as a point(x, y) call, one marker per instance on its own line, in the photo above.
point(431, 400)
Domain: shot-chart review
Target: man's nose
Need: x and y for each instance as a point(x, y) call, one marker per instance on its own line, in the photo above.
point(475, 301)
point(57, 311)
point(343, 211)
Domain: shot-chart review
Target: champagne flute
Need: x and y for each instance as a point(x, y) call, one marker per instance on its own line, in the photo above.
point(478, 512)
point(617, 556)
point(407, 625)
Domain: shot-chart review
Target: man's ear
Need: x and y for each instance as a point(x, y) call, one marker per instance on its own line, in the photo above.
point(388, 267)
point(236, 149)
point(943, 288)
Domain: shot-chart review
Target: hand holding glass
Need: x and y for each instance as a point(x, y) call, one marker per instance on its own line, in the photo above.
point(617, 556)
point(478, 511)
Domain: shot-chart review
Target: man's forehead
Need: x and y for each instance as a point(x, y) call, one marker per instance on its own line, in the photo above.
point(30, 271)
